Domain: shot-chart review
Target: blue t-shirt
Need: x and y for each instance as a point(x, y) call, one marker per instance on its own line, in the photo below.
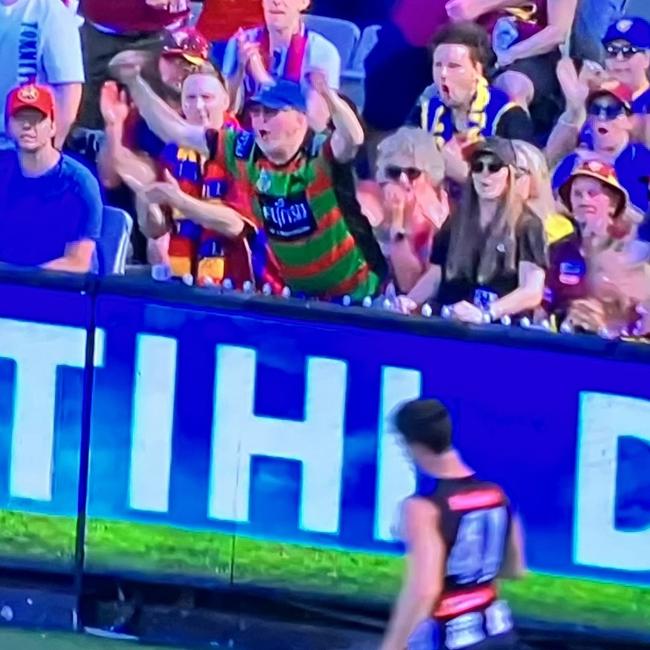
point(632, 168)
point(40, 215)
point(641, 103)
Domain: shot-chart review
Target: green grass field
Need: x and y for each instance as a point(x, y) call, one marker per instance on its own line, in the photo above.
point(23, 640)
point(365, 576)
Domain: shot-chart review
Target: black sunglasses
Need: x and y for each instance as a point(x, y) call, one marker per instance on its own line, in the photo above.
point(628, 51)
point(259, 109)
point(394, 173)
point(606, 111)
point(491, 166)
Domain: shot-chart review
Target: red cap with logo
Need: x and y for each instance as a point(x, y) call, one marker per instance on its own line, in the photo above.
point(186, 42)
point(31, 96)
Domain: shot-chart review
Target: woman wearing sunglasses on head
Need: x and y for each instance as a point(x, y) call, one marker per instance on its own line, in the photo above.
point(490, 258)
point(406, 205)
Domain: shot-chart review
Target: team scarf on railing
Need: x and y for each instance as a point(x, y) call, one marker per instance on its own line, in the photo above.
point(193, 249)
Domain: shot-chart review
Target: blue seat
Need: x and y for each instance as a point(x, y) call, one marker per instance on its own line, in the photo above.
point(352, 77)
point(113, 244)
point(342, 33)
point(639, 8)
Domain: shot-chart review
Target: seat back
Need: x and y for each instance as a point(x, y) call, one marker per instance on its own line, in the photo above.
point(342, 33)
point(113, 244)
point(640, 8)
point(367, 42)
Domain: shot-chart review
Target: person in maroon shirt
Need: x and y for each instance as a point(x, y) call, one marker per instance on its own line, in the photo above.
point(220, 19)
point(112, 26)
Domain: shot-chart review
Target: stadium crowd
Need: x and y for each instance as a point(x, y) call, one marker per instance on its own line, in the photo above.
point(500, 173)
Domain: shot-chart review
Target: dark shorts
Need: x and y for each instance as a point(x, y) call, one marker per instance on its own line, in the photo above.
point(98, 50)
point(548, 101)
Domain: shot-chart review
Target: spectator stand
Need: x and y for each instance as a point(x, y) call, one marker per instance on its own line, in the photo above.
point(353, 45)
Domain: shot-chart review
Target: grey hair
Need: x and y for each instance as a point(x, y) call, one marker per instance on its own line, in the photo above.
point(410, 147)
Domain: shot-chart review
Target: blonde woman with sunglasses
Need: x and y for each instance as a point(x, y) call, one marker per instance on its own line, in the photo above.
point(489, 261)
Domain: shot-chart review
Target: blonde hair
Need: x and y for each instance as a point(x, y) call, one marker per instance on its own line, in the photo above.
point(415, 146)
point(532, 161)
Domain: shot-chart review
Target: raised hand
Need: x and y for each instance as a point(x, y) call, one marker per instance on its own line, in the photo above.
point(127, 65)
point(113, 104)
point(459, 10)
point(250, 58)
point(575, 89)
point(318, 80)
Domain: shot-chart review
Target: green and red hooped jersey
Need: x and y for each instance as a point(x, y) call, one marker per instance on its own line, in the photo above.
point(322, 242)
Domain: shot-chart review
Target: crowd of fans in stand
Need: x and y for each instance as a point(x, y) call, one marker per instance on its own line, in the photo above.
point(512, 182)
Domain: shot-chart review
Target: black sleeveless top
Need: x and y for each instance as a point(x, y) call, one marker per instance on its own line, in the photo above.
point(475, 522)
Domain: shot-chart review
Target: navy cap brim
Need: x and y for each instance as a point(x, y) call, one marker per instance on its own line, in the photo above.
point(276, 104)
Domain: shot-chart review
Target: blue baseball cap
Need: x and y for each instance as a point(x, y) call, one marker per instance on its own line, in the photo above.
point(284, 94)
point(636, 31)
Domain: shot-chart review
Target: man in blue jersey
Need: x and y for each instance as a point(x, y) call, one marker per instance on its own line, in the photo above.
point(460, 536)
point(50, 205)
point(465, 108)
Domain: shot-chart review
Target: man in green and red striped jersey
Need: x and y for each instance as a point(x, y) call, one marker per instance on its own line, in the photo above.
point(294, 185)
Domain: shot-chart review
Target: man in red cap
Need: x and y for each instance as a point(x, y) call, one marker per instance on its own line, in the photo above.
point(51, 205)
point(112, 26)
point(39, 41)
point(609, 118)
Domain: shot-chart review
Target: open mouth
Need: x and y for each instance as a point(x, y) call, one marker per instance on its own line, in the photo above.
point(445, 89)
point(602, 130)
point(263, 133)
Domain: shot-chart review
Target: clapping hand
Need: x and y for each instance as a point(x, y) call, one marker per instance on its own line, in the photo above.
point(165, 192)
point(113, 104)
point(250, 58)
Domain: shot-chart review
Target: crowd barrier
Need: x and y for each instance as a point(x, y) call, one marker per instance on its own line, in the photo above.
point(246, 441)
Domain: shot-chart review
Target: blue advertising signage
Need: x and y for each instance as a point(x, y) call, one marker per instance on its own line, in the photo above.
point(232, 443)
point(42, 361)
point(213, 425)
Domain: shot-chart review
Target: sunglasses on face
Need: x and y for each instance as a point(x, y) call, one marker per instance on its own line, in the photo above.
point(606, 111)
point(491, 166)
point(395, 173)
point(628, 51)
point(257, 110)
